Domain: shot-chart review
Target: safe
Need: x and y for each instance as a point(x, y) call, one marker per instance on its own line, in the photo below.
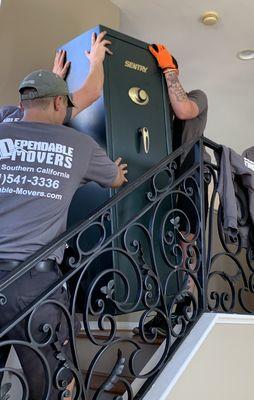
point(130, 120)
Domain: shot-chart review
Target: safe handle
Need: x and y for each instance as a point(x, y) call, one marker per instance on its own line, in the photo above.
point(145, 138)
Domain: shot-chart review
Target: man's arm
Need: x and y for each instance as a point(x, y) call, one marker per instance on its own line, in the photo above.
point(101, 168)
point(183, 107)
point(91, 90)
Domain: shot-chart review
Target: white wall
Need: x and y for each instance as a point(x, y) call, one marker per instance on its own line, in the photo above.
point(223, 367)
point(31, 30)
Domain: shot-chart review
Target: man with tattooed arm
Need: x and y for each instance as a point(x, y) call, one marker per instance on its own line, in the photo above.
point(189, 122)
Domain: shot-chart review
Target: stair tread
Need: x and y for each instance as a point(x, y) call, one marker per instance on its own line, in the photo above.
point(103, 334)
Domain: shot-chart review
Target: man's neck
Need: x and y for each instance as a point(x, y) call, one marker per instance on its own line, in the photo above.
point(33, 115)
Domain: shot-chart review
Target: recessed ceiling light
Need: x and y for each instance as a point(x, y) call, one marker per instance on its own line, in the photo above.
point(247, 54)
point(210, 18)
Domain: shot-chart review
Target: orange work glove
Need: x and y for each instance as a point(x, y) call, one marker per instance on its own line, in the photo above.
point(162, 55)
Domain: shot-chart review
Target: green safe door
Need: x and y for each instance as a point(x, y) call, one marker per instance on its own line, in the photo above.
point(131, 121)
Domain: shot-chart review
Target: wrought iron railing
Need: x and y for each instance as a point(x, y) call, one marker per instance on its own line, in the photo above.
point(230, 257)
point(159, 267)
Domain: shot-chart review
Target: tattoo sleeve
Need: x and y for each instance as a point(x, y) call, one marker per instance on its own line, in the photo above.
point(175, 87)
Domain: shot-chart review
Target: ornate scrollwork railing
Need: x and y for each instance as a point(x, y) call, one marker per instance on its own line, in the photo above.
point(160, 266)
point(229, 258)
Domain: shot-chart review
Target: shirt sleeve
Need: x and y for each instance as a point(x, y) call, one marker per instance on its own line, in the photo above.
point(10, 114)
point(249, 153)
point(3, 112)
point(200, 98)
point(100, 168)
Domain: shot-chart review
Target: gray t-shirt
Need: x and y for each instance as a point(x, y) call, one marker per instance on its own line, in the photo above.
point(188, 130)
point(41, 167)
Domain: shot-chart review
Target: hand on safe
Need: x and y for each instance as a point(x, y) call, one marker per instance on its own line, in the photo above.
point(61, 66)
point(163, 56)
point(122, 171)
point(98, 48)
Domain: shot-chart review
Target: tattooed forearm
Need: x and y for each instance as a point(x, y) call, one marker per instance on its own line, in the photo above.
point(175, 87)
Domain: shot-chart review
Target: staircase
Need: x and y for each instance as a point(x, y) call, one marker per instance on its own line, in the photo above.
point(172, 274)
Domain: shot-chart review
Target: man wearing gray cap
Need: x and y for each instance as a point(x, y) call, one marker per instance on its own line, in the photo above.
point(42, 164)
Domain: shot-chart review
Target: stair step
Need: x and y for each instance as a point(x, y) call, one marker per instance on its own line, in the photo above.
point(100, 334)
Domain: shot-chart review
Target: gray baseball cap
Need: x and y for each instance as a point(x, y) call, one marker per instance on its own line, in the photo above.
point(47, 84)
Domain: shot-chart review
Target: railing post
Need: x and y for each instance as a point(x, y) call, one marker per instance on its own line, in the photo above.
point(203, 225)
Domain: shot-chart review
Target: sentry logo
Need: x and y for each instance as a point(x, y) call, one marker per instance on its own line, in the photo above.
point(137, 67)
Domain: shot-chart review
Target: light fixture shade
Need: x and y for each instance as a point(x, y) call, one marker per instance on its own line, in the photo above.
point(247, 54)
point(209, 18)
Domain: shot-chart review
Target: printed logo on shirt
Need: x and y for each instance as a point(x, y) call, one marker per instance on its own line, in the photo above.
point(249, 163)
point(36, 152)
point(11, 119)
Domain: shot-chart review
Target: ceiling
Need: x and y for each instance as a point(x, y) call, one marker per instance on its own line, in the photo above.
point(206, 56)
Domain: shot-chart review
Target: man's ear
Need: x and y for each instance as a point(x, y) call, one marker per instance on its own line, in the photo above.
point(21, 106)
point(57, 103)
